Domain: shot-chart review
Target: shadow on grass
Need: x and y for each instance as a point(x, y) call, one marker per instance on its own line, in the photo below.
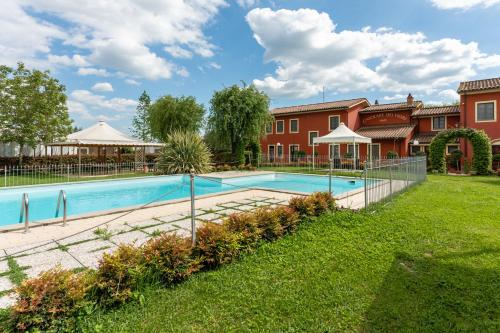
point(491, 180)
point(427, 294)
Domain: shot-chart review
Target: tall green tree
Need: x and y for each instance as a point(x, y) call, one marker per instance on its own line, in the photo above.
point(140, 123)
point(168, 114)
point(238, 118)
point(33, 107)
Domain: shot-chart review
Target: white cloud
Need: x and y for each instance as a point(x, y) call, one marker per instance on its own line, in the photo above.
point(178, 52)
point(92, 71)
point(214, 65)
point(132, 82)
point(24, 38)
point(115, 35)
point(449, 95)
point(310, 54)
point(463, 4)
point(102, 86)
point(247, 3)
point(98, 102)
point(394, 97)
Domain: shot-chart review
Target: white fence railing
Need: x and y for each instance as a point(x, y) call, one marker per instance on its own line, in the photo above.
point(63, 173)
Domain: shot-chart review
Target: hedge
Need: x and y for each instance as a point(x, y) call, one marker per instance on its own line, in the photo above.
point(58, 299)
point(482, 156)
point(72, 159)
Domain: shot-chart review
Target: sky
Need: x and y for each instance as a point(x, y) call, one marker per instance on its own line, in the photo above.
point(107, 53)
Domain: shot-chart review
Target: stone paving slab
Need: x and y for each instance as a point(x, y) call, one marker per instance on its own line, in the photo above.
point(165, 227)
point(40, 262)
point(83, 236)
point(260, 204)
point(87, 255)
point(230, 204)
point(134, 237)
point(4, 266)
point(143, 224)
point(30, 248)
point(5, 283)
point(246, 208)
point(229, 211)
point(173, 217)
point(209, 217)
point(184, 224)
point(7, 300)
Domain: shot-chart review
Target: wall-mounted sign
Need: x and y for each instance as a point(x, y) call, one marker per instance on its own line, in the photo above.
point(387, 117)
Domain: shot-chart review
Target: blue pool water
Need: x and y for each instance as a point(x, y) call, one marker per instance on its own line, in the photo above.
point(104, 195)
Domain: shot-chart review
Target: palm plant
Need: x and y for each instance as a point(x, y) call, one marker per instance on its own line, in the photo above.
point(184, 152)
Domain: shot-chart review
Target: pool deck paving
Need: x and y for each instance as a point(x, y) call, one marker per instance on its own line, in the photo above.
point(45, 247)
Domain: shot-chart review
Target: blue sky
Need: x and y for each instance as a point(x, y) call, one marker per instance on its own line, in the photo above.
point(107, 53)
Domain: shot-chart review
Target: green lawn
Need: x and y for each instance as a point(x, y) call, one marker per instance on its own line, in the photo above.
point(428, 262)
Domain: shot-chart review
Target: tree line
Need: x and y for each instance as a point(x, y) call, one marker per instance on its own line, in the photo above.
point(236, 119)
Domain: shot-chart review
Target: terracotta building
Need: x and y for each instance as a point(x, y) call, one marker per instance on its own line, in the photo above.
point(403, 128)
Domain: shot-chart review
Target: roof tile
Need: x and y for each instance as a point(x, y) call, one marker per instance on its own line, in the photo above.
point(436, 110)
point(477, 85)
point(390, 107)
point(386, 132)
point(338, 105)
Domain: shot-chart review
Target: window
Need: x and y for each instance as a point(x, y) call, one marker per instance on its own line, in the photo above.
point(269, 128)
point(312, 135)
point(438, 123)
point(414, 149)
point(280, 151)
point(270, 153)
point(349, 150)
point(293, 152)
point(334, 122)
point(280, 126)
point(451, 148)
point(334, 151)
point(374, 151)
point(294, 126)
point(486, 111)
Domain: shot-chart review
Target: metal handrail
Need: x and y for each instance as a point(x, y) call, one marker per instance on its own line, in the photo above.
point(62, 195)
point(25, 212)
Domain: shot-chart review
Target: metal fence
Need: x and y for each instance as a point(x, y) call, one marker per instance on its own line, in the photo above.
point(384, 178)
point(318, 163)
point(64, 173)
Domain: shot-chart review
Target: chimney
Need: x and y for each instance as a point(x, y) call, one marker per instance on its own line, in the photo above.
point(409, 100)
point(376, 102)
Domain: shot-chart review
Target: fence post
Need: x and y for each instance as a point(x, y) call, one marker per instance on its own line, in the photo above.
point(5, 176)
point(390, 181)
point(193, 222)
point(330, 177)
point(366, 186)
point(408, 160)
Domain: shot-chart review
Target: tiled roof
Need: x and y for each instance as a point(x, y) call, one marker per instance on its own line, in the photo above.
point(477, 85)
point(436, 111)
point(386, 132)
point(424, 138)
point(390, 107)
point(337, 105)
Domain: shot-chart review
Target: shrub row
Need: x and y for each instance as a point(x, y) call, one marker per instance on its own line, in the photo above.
point(56, 299)
point(72, 159)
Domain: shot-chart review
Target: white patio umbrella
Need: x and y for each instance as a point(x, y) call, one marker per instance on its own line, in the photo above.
point(342, 134)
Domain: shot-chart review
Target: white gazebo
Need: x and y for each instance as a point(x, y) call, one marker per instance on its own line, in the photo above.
point(342, 134)
point(102, 135)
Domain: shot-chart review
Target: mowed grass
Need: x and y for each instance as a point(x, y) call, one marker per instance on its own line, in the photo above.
point(427, 262)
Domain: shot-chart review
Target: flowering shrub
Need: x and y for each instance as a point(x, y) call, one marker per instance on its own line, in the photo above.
point(118, 275)
point(302, 206)
point(246, 225)
point(321, 201)
point(51, 301)
point(169, 257)
point(288, 218)
point(270, 224)
point(216, 245)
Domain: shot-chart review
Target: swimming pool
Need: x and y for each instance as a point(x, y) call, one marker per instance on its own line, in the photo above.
point(95, 196)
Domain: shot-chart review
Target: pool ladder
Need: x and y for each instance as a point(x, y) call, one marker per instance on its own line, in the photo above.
point(25, 212)
point(62, 196)
point(25, 209)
